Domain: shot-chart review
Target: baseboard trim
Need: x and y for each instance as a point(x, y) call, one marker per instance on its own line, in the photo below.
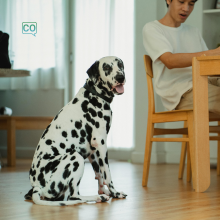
point(156, 158)
point(28, 153)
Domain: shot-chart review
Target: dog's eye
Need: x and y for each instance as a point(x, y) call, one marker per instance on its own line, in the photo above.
point(106, 68)
point(120, 65)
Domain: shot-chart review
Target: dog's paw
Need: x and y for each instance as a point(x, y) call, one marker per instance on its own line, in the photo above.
point(103, 191)
point(118, 195)
point(102, 198)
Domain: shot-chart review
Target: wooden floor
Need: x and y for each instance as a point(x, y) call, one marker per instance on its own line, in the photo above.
point(165, 198)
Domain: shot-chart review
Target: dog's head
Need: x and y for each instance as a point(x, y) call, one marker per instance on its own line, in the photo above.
point(108, 72)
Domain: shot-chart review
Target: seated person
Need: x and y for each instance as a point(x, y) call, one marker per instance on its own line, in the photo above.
point(171, 44)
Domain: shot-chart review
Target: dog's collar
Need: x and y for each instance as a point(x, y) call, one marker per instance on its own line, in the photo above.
point(93, 91)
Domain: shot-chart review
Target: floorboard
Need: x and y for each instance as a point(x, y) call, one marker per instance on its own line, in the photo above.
point(165, 198)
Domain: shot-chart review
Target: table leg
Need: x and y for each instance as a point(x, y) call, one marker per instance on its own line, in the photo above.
point(11, 139)
point(201, 130)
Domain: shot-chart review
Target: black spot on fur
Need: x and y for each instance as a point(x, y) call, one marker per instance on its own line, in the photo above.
point(95, 102)
point(93, 121)
point(100, 114)
point(82, 140)
point(95, 166)
point(103, 142)
point(62, 145)
point(38, 147)
point(87, 116)
point(62, 204)
point(64, 134)
point(67, 166)
point(48, 142)
point(86, 94)
point(48, 167)
point(107, 118)
point(105, 175)
point(41, 179)
point(106, 106)
point(89, 132)
point(97, 153)
point(74, 134)
point(46, 156)
point(38, 164)
point(84, 106)
point(107, 69)
point(92, 148)
point(46, 130)
point(28, 196)
point(93, 112)
point(72, 158)
point(78, 124)
point(66, 174)
point(109, 85)
point(57, 115)
point(83, 133)
point(75, 101)
point(61, 186)
point(97, 124)
point(100, 162)
point(55, 151)
point(92, 156)
point(93, 72)
point(106, 158)
point(78, 183)
point(76, 165)
point(65, 157)
point(74, 198)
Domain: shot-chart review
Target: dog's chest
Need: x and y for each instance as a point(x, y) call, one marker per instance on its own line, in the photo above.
point(73, 127)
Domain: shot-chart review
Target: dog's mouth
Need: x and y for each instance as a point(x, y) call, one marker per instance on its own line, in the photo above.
point(119, 88)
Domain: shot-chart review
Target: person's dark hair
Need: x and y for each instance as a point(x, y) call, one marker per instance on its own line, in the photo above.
point(171, 1)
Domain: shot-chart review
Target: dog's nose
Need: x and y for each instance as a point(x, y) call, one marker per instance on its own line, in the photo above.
point(120, 78)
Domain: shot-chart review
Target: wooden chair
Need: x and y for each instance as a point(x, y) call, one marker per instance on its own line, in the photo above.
point(185, 151)
point(168, 116)
point(13, 123)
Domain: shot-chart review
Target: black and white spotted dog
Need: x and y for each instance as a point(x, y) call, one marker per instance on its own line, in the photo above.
point(78, 131)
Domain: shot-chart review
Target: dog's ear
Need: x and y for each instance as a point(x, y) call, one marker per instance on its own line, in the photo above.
point(93, 72)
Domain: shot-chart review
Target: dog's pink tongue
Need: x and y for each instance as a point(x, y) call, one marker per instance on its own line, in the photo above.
point(120, 88)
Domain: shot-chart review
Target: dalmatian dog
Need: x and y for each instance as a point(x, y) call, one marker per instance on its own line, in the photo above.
point(77, 132)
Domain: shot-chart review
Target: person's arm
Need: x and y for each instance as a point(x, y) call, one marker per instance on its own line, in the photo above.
point(181, 60)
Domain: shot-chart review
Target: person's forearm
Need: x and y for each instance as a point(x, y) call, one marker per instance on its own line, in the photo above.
point(181, 60)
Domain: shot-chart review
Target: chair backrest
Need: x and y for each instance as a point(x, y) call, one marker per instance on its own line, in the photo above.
point(149, 75)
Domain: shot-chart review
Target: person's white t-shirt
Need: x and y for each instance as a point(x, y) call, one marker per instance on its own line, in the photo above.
point(171, 84)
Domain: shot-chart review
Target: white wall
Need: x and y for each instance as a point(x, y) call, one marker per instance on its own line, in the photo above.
point(28, 102)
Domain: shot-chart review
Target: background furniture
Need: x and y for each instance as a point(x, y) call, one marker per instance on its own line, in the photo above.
point(12, 123)
point(197, 121)
point(186, 151)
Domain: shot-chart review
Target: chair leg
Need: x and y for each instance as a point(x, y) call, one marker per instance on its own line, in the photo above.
point(182, 156)
point(191, 146)
point(11, 150)
point(218, 156)
point(147, 156)
point(182, 160)
point(189, 169)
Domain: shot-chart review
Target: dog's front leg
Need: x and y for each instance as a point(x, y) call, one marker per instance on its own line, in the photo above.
point(101, 188)
point(102, 156)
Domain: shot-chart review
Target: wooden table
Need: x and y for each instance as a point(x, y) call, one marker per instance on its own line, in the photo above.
point(14, 73)
point(202, 68)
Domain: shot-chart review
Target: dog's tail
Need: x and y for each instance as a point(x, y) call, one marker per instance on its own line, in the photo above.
point(36, 194)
